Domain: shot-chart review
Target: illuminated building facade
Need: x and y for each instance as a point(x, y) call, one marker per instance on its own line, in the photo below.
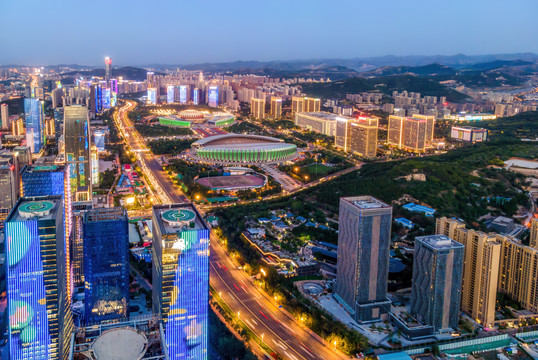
point(311, 104)
point(213, 96)
point(106, 264)
point(357, 135)
point(77, 241)
point(297, 104)
point(276, 107)
point(99, 139)
point(108, 69)
point(42, 180)
point(480, 270)
point(152, 96)
point(468, 134)
point(363, 257)
point(106, 98)
point(257, 108)
point(408, 133)
point(34, 115)
point(171, 94)
point(437, 278)
point(430, 126)
point(94, 154)
point(320, 122)
point(195, 96)
point(181, 279)
point(77, 151)
point(183, 94)
point(38, 293)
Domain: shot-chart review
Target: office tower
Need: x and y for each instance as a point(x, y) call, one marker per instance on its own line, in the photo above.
point(94, 154)
point(77, 241)
point(297, 104)
point(99, 139)
point(108, 69)
point(43, 180)
point(437, 277)
point(180, 267)
point(50, 129)
point(93, 102)
point(56, 97)
point(38, 293)
point(6, 125)
point(311, 104)
point(9, 188)
point(17, 127)
point(114, 85)
point(363, 257)
point(395, 131)
point(213, 96)
point(257, 108)
point(152, 96)
point(534, 233)
point(195, 96)
point(363, 137)
point(183, 94)
point(430, 126)
point(34, 114)
point(23, 155)
point(77, 151)
point(106, 98)
point(106, 264)
point(276, 107)
point(171, 94)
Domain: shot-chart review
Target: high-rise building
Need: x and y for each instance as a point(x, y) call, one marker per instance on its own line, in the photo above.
point(363, 257)
point(363, 137)
point(77, 241)
point(34, 114)
point(276, 107)
point(23, 154)
point(341, 132)
point(171, 94)
point(195, 96)
point(297, 104)
point(9, 188)
point(414, 134)
point(94, 155)
point(99, 139)
point(43, 180)
point(395, 131)
point(180, 267)
point(17, 127)
point(437, 278)
point(480, 270)
point(534, 233)
point(152, 96)
point(77, 151)
point(183, 94)
point(6, 125)
point(311, 104)
point(106, 264)
point(430, 126)
point(407, 133)
point(108, 69)
point(257, 108)
point(213, 96)
point(38, 292)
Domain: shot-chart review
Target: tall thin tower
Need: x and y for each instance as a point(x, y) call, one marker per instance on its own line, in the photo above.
point(108, 68)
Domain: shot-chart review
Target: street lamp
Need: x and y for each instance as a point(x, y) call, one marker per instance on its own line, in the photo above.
point(262, 336)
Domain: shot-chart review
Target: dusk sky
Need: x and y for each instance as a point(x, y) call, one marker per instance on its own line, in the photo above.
point(135, 32)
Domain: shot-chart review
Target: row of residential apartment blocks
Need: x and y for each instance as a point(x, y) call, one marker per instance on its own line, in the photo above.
point(494, 263)
point(360, 135)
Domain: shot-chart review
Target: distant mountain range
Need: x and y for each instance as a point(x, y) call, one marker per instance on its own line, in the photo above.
point(127, 72)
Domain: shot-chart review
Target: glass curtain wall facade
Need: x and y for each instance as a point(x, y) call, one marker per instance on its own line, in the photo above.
point(40, 321)
point(106, 264)
point(34, 115)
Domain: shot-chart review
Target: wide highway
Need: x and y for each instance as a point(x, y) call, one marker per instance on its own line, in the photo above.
point(260, 313)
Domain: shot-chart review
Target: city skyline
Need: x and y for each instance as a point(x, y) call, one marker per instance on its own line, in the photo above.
point(283, 31)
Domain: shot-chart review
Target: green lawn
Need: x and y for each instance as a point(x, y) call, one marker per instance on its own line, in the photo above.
point(318, 169)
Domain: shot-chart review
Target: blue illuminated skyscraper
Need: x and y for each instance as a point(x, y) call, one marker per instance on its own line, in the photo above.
point(195, 96)
point(40, 321)
point(34, 115)
point(43, 180)
point(171, 94)
point(181, 279)
point(106, 264)
point(183, 92)
point(213, 96)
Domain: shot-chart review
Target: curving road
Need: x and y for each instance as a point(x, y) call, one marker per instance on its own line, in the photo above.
point(277, 329)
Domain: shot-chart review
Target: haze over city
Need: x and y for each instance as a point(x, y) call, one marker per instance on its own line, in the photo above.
point(186, 32)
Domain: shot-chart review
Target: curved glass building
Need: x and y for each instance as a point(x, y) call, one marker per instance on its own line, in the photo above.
point(243, 149)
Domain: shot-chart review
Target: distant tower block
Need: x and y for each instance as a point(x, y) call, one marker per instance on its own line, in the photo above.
point(108, 68)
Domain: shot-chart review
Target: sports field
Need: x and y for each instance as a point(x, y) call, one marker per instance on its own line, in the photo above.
point(231, 182)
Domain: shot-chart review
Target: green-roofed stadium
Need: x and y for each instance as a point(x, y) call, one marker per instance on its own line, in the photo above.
point(243, 149)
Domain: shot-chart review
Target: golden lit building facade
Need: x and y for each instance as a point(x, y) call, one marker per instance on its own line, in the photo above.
point(408, 133)
point(257, 108)
point(276, 107)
